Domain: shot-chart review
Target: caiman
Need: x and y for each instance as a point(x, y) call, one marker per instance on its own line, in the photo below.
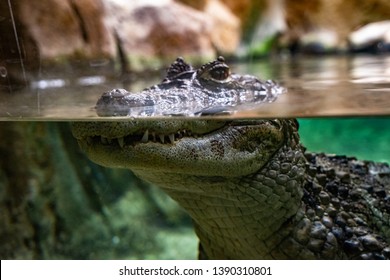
point(250, 186)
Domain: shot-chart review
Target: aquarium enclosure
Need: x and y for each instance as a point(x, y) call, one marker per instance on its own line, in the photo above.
point(57, 58)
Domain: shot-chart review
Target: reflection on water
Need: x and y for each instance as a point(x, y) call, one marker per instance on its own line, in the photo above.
point(328, 86)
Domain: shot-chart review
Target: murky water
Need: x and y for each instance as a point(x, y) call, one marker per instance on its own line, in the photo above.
point(317, 87)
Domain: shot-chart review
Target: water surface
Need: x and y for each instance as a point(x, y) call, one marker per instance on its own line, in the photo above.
point(317, 87)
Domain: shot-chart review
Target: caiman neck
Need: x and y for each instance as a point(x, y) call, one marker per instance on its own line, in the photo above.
point(241, 217)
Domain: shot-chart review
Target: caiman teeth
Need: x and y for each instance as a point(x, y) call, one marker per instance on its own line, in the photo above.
point(171, 138)
point(145, 137)
point(161, 136)
point(121, 142)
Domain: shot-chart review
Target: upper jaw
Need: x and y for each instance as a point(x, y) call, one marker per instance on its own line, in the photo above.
point(144, 137)
point(231, 149)
point(163, 131)
point(134, 132)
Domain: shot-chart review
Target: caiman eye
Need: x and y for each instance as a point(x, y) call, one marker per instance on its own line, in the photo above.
point(219, 73)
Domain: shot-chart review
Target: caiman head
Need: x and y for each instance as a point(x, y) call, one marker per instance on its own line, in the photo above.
point(187, 92)
point(192, 145)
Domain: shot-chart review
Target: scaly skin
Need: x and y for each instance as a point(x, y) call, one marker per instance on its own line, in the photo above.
point(248, 185)
point(187, 92)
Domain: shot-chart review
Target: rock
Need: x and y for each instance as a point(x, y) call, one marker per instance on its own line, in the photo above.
point(166, 29)
point(48, 33)
point(235, 22)
point(61, 28)
point(321, 25)
point(140, 34)
point(373, 34)
point(147, 30)
point(226, 28)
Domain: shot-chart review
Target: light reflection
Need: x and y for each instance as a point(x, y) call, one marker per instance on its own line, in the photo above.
point(46, 84)
point(91, 80)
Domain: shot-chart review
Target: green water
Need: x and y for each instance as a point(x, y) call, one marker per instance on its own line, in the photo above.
point(366, 138)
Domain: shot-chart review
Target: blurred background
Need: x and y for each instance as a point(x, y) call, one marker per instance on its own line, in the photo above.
point(58, 56)
point(119, 36)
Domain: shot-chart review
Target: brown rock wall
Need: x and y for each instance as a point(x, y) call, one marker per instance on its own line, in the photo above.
point(162, 29)
point(136, 33)
point(66, 28)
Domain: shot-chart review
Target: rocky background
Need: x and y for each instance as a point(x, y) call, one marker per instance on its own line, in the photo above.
point(131, 36)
